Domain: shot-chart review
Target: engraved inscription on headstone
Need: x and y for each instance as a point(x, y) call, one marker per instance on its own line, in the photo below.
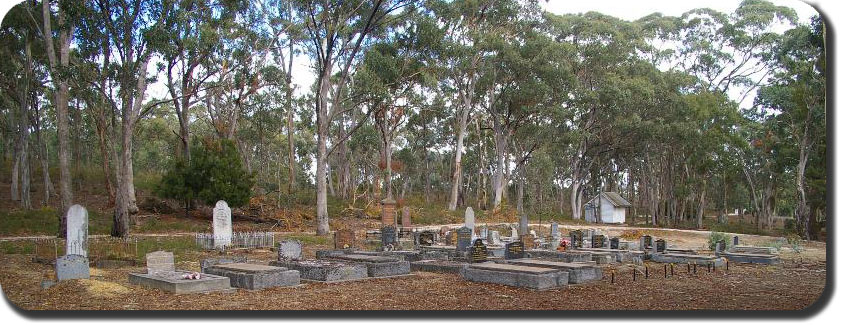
point(427, 238)
point(478, 252)
point(160, 261)
point(660, 244)
point(72, 267)
point(514, 250)
point(222, 223)
point(290, 250)
point(77, 231)
point(645, 242)
point(464, 238)
point(577, 238)
point(614, 243)
point(344, 238)
point(598, 241)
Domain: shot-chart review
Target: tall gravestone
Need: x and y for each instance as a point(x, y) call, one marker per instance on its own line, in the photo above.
point(514, 250)
point(554, 231)
point(406, 217)
point(523, 225)
point(469, 219)
point(597, 241)
point(464, 238)
point(660, 245)
point(222, 223)
point(645, 242)
point(77, 231)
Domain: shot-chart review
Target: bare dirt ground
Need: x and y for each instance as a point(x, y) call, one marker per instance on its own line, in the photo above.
point(795, 284)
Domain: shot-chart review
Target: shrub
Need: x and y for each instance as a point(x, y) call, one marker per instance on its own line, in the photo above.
point(715, 237)
point(215, 172)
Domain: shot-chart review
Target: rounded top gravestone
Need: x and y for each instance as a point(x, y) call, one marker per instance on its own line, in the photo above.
point(77, 231)
point(222, 223)
point(469, 219)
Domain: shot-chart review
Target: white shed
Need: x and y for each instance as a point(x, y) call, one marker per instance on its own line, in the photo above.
point(607, 207)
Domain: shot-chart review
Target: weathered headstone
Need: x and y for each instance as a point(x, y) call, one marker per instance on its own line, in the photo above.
point(222, 223)
point(514, 250)
point(614, 243)
point(344, 238)
point(645, 242)
point(577, 238)
point(523, 225)
point(660, 245)
point(427, 238)
point(478, 252)
point(72, 267)
point(721, 246)
point(290, 250)
point(494, 238)
point(159, 262)
point(77, 231)
point(514, 232)
point(406, 217)
point(598, 241)
point(464, 238)
point(388, 236)
point(469, 219)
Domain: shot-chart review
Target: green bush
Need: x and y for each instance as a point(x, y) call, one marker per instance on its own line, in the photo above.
point(715, 237)
point(215, 172)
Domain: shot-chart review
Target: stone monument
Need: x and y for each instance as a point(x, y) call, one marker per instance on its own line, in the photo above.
point(222, 224)
point(469, 219)
point(77, 231)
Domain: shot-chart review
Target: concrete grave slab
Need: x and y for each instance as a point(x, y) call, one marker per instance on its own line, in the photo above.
point(514, 275)
point(578, 272)
point(325, 271)
point(255, 276)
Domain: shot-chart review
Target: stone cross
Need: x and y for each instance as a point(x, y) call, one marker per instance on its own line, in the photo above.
point(160, 261)
point(469, 219)
point(77, 231)
point(222, 223)
point(290, 250)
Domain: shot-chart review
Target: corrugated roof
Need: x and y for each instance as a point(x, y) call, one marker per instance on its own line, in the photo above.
point(616, 199)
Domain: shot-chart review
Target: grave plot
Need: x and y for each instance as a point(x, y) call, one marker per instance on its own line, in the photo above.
point(537, 278)
point(565, 256)
point(162, 274)
point(377, 266)
point(619, 255)
point(751, 258)
point(753, 250)
point(324, 270)
point(255, 276)
point(438, 266)
point(578, 272)
point(679, 258)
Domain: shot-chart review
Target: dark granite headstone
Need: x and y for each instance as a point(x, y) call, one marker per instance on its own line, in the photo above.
point(577, 238)
point(646, 240)
point(598, 241)
point(388, 235)
point(660, 245)
point(614, 243)
point(514, 250)
point(721, 246)
point(478, 252)
point(464, 238)
point(736, 241)
point(426, 238)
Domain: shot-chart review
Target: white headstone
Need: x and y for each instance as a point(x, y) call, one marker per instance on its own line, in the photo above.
point(469, 219)
point(222, 225)
point(514, 233)
point(290, 250)
point(77, 231)
point(495, 239)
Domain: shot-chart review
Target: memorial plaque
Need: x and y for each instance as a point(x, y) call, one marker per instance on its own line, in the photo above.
point(598, 241)
point(514, 250)
point(577, 238)
point(660, 245)
point(614, 243)
point(388, 235)
point(478, 252)
point(160, 261)
point(528, 241)
point(463, 238)
point(427, 238)
point(344, 239)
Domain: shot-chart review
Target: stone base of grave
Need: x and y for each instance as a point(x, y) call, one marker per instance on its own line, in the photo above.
point(754, 250)
point(407, 255)
point(516, 275)
point(114, 264)
point(438, 266)
point(681, 251)
point(619, 255)
point(687, 258)
point(436, 251)
point(751, 258)
point(327, 253)
point(325, 271)
point(255, 276)
point(174, 283)
point(566, 256)
point(603, 258)
point(378, 266)
point(578, 272)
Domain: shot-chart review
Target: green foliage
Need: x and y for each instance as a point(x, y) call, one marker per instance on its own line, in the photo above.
point(45, 221)
point(715, 237)
point(214, 173)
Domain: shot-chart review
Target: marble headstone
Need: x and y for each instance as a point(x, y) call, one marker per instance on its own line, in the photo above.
point(222, 225)
point(160, 262)
point(290, 250)
point(72, 267)
point(77, 231)
point(469, 219)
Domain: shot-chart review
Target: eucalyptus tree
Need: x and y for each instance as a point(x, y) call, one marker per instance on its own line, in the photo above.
point(337, 32)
